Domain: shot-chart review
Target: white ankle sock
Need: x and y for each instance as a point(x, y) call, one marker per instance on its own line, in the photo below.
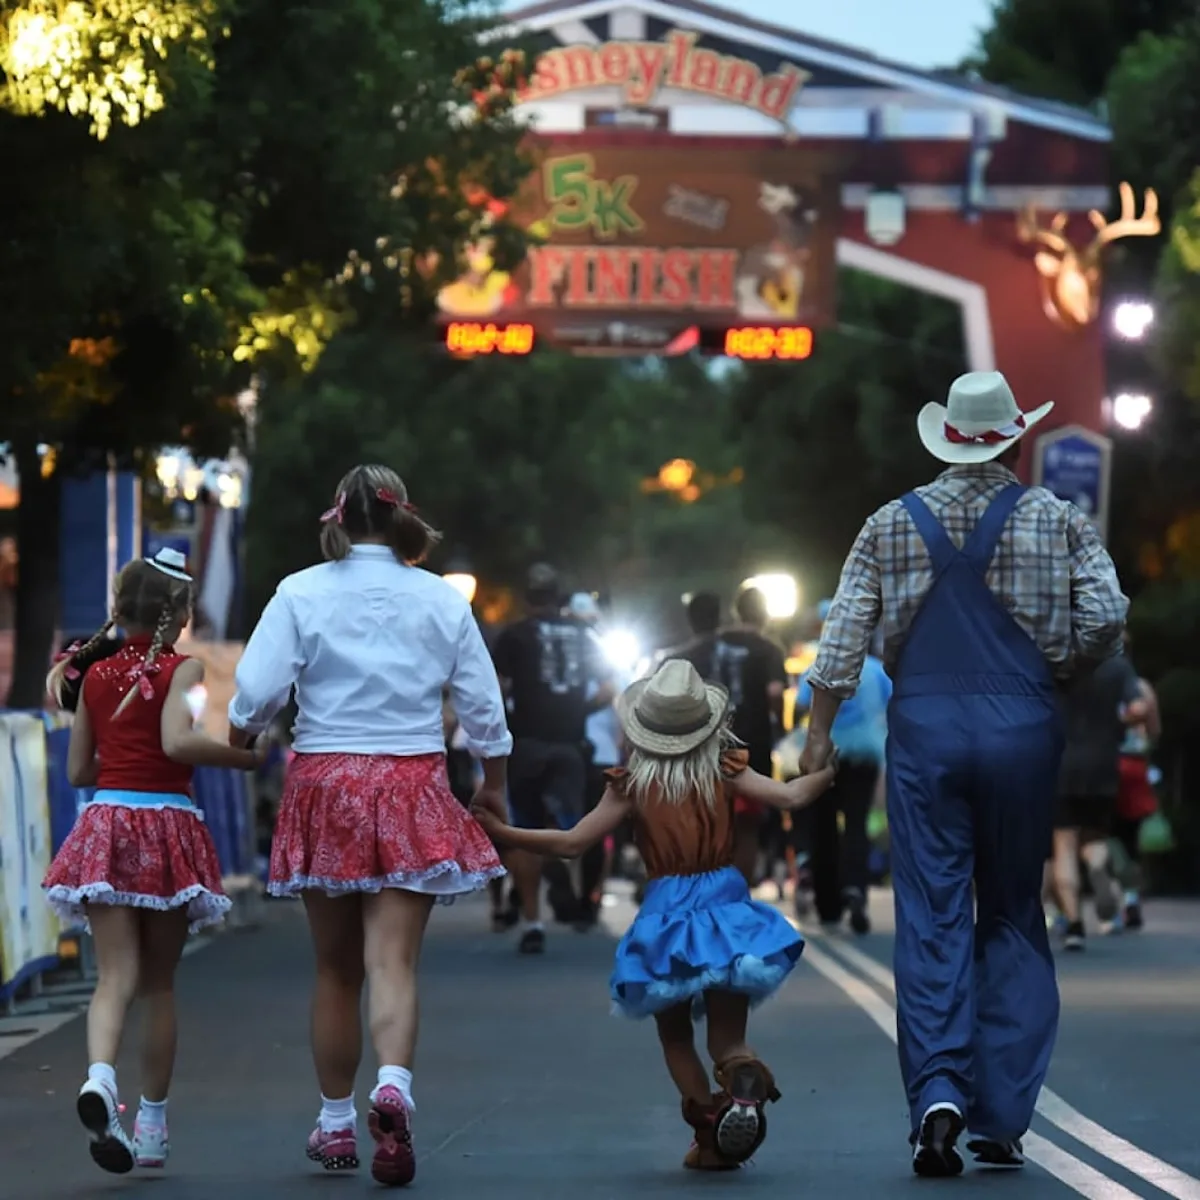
point(529, 926)
point(401, 1079)
point(152, 1114)
point(103, 1073)
point(337, 1114)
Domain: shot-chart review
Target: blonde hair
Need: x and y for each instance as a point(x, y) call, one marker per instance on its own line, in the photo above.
point(676, 779)
point(372, 501)
point(143, 598)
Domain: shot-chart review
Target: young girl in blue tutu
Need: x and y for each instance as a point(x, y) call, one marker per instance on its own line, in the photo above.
point(700, 946)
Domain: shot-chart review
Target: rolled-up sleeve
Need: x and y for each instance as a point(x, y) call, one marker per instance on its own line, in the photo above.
point(1098, 606)
point(853, 616)
point(477, 698)
point(268, 668)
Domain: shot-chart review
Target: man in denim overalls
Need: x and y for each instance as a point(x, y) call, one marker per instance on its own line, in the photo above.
point(988, 595)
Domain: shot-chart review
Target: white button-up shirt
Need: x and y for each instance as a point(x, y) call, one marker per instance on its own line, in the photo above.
point(369, 645)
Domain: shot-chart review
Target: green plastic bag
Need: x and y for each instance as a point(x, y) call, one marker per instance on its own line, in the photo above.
point(1155, 835)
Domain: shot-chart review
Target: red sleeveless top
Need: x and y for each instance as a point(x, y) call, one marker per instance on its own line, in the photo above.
point(129, 747)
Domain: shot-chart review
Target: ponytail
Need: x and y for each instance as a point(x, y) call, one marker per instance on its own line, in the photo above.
point(65, 681)
point(409, 535)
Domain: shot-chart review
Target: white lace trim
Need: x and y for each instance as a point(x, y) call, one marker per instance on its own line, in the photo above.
point(204, 908)
point(445, 880)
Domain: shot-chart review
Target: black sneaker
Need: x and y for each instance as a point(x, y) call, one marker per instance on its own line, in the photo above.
point(1133, 916)
point(935, 1150)
point(533, 941)
point(1076, 937)
point(997, 1154)
point(856, 905)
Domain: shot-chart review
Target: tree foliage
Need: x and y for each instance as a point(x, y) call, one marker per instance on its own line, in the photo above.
point(1066, 50)
point(217, 188)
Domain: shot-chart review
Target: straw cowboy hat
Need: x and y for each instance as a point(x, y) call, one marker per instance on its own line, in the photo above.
point(979, 422)
point(672, 712)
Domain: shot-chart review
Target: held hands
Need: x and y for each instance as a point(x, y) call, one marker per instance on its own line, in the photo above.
point(819, 751)
point(807, 787)
point(490, 808)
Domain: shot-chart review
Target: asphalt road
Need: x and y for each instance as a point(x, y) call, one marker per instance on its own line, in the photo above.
point(527, 1087)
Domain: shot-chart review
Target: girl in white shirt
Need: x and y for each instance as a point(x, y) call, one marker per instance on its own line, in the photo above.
point(369, 833)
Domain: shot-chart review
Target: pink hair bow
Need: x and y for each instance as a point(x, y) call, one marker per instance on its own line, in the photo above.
point(142, 674)
point(71, 673)
point(337, 512)
point(388, 497)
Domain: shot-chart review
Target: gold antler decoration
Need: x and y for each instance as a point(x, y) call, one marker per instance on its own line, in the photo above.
point(1070, 278)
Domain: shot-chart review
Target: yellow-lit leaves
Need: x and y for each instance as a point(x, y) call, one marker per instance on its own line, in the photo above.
point(100, 60)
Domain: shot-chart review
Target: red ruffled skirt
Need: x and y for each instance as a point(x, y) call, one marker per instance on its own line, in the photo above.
point(363, 822)
point(157, 857)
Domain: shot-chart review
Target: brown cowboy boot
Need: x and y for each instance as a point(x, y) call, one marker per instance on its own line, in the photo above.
point(703, 1155)
point(741, 1124)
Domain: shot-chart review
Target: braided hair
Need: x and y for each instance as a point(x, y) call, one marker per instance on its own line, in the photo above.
point(65, 681)
point(145, 597)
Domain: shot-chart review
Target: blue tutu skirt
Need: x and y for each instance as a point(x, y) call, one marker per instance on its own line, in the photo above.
point(700, 932)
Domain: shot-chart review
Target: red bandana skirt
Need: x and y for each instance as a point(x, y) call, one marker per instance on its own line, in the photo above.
point(364, 822)
point(152, 851)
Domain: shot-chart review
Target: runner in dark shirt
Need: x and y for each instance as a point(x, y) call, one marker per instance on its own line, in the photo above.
point(546, 663)
point(751, 667)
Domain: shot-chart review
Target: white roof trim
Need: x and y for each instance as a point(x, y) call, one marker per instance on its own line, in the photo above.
point(894, 75)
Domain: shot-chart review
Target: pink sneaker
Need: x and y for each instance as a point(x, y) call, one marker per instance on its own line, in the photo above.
point(335, 1151)
point(390, 1124)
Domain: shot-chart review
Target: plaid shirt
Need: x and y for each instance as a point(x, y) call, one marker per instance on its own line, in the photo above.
point(1050, 571)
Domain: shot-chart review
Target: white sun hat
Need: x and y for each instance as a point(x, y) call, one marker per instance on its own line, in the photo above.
point(170, 562)
point(979, 421)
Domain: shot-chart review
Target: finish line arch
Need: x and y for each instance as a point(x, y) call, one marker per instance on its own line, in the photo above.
point(701, 168)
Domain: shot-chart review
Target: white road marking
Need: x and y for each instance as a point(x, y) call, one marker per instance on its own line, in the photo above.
point(1159, 1174)
point(19, 1031)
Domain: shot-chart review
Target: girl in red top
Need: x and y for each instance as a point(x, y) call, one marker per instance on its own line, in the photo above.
point(139, 865)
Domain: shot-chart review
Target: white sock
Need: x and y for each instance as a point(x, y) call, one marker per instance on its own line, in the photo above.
point(105, 1074)
point(1132, 897)
point(337, 1114)
point(152, 1114)
point(401, 1079)
point(527, 926)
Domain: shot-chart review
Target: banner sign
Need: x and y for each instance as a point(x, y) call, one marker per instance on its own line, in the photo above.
point(641, 70)
point(638, 243)
point(28, 927)
point(1076, 465)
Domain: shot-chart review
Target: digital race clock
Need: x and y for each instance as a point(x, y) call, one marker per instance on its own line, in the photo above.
point(761, 342)
point(475, 337)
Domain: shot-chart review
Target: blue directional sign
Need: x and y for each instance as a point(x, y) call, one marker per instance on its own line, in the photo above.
point(1075, 464)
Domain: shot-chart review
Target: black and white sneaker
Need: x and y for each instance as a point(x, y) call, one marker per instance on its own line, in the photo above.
point(533, 941)
point(1076, 936)
point(935, 1150)
point(1005, 1155)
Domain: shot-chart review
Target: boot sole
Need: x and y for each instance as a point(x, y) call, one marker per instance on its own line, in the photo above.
point(108, 1152)
point(742, 1127)
point(936, 1155)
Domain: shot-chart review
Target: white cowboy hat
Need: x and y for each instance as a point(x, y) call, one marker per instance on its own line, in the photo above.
point(673, 711)
point(979, 422)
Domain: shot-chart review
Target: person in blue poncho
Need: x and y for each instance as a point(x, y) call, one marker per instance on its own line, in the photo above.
point(840, 856)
